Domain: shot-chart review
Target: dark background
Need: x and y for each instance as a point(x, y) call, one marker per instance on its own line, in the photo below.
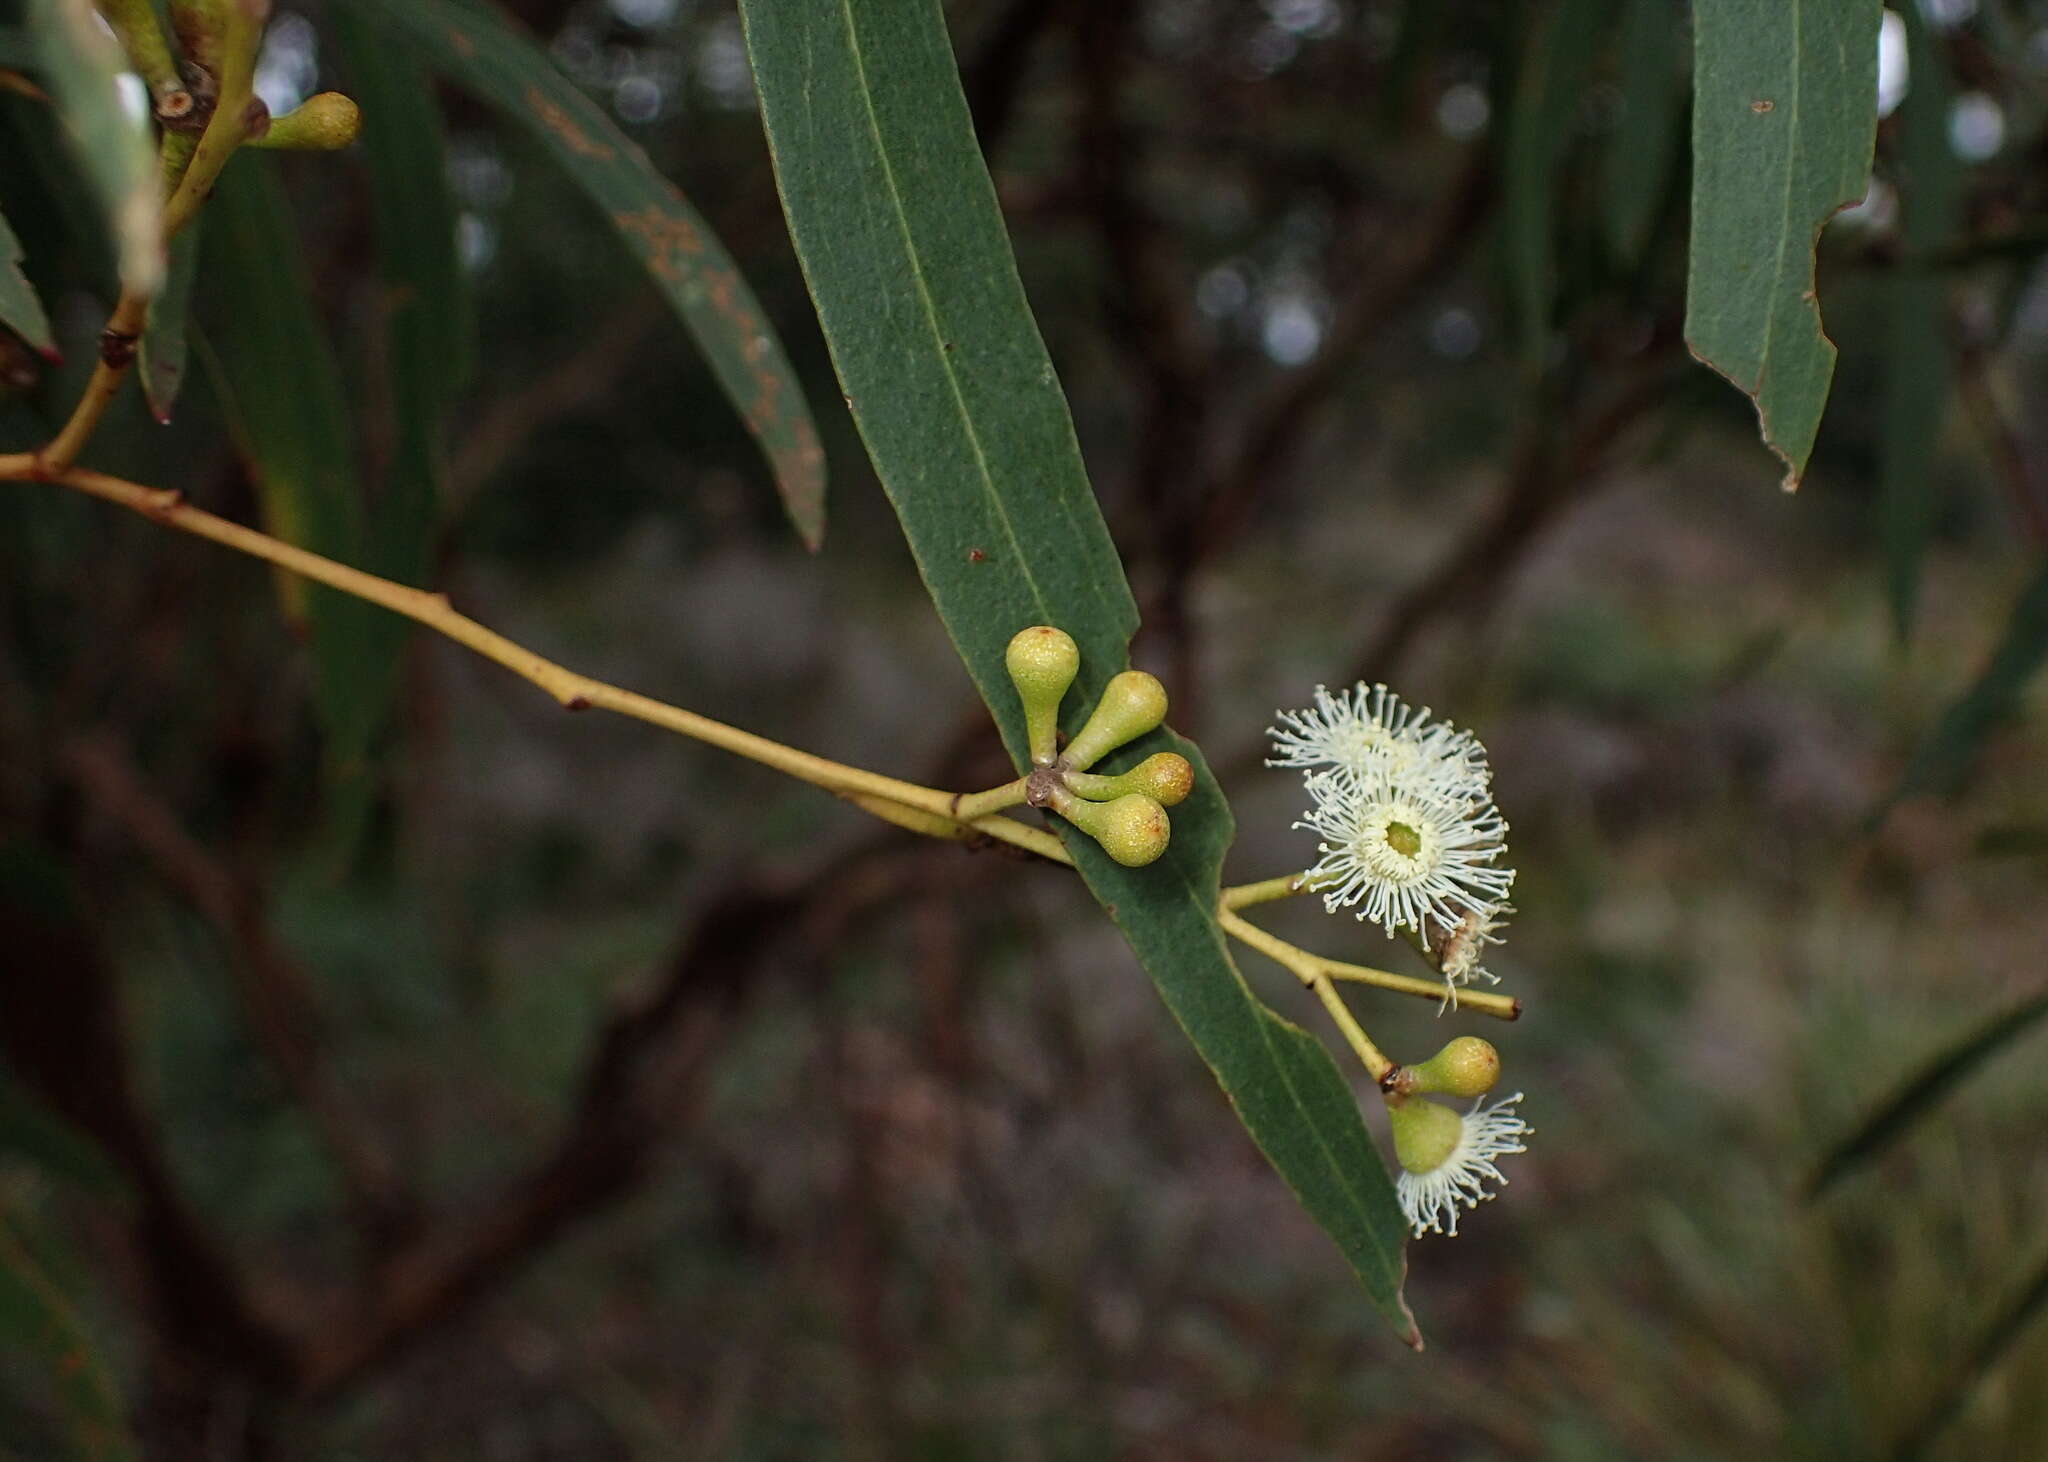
point(616, 1099)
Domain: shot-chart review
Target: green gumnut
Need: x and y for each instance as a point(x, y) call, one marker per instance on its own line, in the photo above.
point(326, 122)
point(1134, 829)
point(1132, 704)
point(1465, 1067)
point(1164, 776)
point(1042, 662)
point(1425, 1133)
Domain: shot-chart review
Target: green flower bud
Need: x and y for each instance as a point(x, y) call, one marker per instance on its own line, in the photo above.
point(323, 123)
point(1042, 662)
point(1466, 1067)
point(1133, 829)
point(1163, 776)
point(1132, 704)
point(1425, 1134)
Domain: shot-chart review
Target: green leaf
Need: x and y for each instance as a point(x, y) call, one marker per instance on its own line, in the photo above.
point(163, 351)
point(281, 392)
point(426, 300)
point(38, 1320)
point(2024, 1299)
point(80, 63)
point(1943, 758)
point(20, 310)
point(1556, 63)
point(1916, 368)
point(897, 227)
point(1784, 122)
point(482, 52)
point(1642, 146)
point(1921, 1092)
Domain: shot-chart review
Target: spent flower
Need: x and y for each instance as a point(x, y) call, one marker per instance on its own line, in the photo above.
point(1447, 1158)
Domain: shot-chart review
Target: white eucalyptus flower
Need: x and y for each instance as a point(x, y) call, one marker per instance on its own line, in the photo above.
point(1410, 855)
point(1447, 1158)
point(1368, 732)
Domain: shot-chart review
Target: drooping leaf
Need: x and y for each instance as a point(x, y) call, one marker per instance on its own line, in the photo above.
point(37, 1320)
point(1952, 747)
point(1784, 118)
point(2023, 1301)
point(1922, 1091)
point(1556, 62)
point(20, 310)
point(425, 314)
point(475, 46)
point(1640, 149)
point(162, 354)
point(1916, 367)
point(896, 223)
point(81, 62)
point(281, 392)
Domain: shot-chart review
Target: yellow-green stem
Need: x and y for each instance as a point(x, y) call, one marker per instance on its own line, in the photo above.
point(969, 806)
point(571, 690)
point(1309, 970)
point(1500, 1007)
point(1265, 891)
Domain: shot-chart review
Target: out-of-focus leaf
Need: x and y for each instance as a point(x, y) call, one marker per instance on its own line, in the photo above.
point(1784, 118)
point(478, 48)
point(1919, 1093)
point(31, 1132)
point(1948, 752)
point(20, 310)
point(282, 395)
point(1917, 374)
point(38, 1321)
point(896, 223)
point(163, 351)
point(2023, 1301)
point(1640, 149)
point(426, 300)
point(1556, 62)
point(80, 63)
point(2013, 840)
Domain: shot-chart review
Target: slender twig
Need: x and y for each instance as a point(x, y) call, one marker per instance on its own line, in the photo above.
point(1500, 1007)
point(1311, 972)
point(571, 690)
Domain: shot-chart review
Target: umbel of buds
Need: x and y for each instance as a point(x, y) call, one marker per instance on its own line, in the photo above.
point(1125, 813)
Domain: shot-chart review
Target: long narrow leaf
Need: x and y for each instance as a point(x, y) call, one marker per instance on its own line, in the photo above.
point(1917, 373)
point(1783, 123)
point(164, 349)
point(474, 45)
point(2023, 1302)
point(1921, 1092)
point(896, 223)
point(38, 1320)
point(20, 310)
point(80, 63)
point(425, 310)
point(1946, 754)
point(1643, 145)
point(281, 388)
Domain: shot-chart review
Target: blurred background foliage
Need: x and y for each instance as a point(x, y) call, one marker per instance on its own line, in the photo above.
point(592, 1095)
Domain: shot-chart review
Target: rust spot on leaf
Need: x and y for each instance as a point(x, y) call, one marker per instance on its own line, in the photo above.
point(668, 240)
point(1762, 105)
point(559, 122)
point(976, 555)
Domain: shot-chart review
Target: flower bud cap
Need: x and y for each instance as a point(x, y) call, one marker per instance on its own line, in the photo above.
point(1132, 704)
point(1042, 662)
point(1164, 776)
point(1465, 1067)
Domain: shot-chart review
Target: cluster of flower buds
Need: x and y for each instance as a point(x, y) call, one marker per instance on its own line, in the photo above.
point(1125, 813)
